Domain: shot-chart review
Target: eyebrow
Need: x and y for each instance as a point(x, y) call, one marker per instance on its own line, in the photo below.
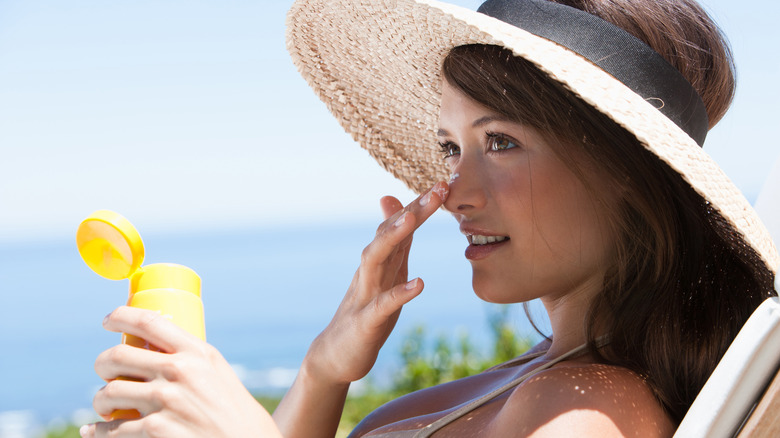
point(482, 121)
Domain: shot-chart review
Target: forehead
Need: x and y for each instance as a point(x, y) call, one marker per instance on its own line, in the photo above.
point(457, 108)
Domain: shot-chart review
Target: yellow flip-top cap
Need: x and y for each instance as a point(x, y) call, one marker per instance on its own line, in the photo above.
point(165, 275)
point(110, 245)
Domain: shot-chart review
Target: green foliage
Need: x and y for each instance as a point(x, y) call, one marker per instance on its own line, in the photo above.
point(423, 368)
point(358, 406)
point(268, 402)
point(69, 431)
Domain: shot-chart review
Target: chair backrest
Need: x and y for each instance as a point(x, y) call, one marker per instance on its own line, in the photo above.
point(764, 421)
point(739, 380)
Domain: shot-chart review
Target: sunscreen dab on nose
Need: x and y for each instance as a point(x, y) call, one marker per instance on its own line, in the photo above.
point(111, 246)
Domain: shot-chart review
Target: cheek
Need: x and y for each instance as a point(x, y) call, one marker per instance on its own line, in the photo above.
point(568, 219)
point(513, 187)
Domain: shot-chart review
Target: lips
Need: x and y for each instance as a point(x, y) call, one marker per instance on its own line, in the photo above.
point(482, 244)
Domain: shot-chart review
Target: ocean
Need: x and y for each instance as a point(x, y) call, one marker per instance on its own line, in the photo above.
point(267, 293)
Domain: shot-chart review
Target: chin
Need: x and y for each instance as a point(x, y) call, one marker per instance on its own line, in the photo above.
point(496, 293)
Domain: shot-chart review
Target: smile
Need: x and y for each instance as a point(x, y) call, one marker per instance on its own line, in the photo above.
point(476, 239)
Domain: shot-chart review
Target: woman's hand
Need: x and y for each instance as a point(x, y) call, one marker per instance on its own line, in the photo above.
point(188, 389)
point(348, 347)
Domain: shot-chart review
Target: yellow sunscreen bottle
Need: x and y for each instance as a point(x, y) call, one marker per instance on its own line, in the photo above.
point(112, 247)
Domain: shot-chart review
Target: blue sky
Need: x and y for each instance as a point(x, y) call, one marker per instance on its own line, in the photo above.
point(189, 115)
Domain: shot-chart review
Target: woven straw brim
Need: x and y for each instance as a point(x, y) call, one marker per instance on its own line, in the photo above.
point(377, 64)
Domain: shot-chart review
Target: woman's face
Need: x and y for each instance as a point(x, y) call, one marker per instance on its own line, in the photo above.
point(534, 230)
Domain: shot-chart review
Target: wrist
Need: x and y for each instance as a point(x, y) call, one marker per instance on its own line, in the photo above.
point(316, 373)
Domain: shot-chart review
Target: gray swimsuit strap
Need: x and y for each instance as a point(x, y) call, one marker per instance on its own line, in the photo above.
point(430, 429)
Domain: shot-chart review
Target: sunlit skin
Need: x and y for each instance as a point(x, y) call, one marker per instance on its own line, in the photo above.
point(510, 182)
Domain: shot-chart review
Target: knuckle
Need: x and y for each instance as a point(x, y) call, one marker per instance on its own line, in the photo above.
point(148, 320)
point(115, 354)
point(101, 361)
point(209, 352)
point(365, 256)
point(381, 303)
point(108, 391)
point(174, 370)
point(96, 401)
point(155, 426)
point(120, 313)
point(376, 306)
point(165, 395)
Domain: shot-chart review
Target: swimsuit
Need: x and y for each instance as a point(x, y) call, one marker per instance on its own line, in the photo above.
point(474, 404)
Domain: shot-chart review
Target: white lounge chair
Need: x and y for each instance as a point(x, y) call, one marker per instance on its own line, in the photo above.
point(742, 397)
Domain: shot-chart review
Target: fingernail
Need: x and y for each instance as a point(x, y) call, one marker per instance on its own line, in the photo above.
point(411, 285)
point(83, 431)
point(442, 191)
point(105, 319)
point(400, 221)
point(426, 199)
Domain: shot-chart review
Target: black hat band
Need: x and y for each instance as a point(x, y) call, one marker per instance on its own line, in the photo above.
point(615, 51)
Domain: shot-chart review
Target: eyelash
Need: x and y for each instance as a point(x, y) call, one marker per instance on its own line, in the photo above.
point(450, 149)
point(447, 148)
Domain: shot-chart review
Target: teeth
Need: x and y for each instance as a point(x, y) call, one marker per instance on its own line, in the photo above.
point(484, 240)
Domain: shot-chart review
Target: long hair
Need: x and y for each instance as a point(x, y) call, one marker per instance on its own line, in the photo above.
point(683, 281)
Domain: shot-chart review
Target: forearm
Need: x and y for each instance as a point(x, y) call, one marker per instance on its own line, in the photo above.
point(312, 407)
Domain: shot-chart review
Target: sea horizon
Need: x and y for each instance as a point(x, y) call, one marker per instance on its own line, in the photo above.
point(267, 293)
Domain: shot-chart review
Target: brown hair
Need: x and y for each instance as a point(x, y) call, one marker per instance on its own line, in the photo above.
point(683, 281)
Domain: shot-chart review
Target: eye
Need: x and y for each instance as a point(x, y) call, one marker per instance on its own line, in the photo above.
point(449, 149)
point(500, 142)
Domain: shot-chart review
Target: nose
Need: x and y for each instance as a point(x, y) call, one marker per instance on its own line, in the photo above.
point(467, 187)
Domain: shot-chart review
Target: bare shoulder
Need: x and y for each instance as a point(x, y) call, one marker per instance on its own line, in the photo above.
point(593, 399)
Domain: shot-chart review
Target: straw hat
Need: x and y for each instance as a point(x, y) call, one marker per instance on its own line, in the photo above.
point(376, 64)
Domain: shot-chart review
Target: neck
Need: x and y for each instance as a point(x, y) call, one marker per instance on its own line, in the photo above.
point(567, 314)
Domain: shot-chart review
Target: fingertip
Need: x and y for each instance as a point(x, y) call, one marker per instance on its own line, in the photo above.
point(86, 431)
point(390, 205)
point(415, 284)
point(110, 320)
point(442, 190)
point(390, 201)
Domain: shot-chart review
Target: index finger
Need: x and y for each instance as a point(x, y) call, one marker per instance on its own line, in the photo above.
point(426, 204)
point(392, 234)
point(151, 326)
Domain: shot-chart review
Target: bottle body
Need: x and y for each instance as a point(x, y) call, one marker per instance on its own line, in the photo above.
point(184, 308)
point(174, 292)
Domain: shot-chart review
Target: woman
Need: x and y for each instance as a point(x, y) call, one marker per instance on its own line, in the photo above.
point(574, 168)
